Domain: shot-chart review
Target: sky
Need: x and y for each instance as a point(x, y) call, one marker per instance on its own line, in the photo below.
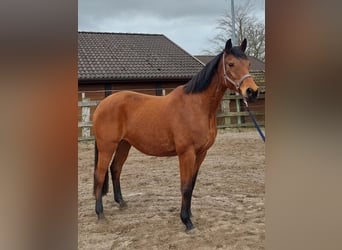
point(189, 23)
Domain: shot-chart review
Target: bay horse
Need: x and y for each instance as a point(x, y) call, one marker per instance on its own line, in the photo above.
point(182, 123)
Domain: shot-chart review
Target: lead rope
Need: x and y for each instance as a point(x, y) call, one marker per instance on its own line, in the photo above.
point(254, 121)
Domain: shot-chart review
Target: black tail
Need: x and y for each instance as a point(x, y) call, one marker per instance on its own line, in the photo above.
point(105, 183)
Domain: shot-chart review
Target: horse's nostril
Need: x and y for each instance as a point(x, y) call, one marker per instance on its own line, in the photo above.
point(251, 94)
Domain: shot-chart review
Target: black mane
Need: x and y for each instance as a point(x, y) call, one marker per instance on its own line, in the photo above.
point(201, 80)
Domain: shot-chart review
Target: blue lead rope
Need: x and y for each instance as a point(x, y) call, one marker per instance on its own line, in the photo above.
point(255, 123)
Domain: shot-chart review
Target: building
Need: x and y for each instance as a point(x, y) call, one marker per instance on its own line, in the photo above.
point(149, 63)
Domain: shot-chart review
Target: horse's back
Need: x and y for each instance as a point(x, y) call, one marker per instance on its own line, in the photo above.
point(124, 115)
point(119, 102)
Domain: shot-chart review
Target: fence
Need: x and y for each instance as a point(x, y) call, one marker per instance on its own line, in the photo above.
point(231, 114)
point(85, 124)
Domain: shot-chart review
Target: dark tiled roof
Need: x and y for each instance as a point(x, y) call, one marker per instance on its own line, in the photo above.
point(125, 56)
point(205, 59)
point(256, 64)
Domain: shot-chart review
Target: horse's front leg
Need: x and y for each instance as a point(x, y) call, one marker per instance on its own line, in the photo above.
point(199, 159)
point(188, 174)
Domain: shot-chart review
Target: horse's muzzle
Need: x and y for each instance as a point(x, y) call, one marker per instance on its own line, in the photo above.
point(251, 94)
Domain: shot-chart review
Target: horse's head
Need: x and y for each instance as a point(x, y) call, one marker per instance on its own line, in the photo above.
point(236, 71)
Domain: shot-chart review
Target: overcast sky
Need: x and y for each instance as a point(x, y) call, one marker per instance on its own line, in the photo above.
point(188, 23)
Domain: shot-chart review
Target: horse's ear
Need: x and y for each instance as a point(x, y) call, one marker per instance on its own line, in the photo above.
point(243, 45)
point(228, 46)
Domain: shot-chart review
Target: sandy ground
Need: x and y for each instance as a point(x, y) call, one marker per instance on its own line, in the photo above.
point(227, 205)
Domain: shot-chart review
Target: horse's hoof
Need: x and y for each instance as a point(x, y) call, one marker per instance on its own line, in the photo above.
point(101, 216)
point(102, 221)
point(189, 227)
point(194, 230)
point(123, 204)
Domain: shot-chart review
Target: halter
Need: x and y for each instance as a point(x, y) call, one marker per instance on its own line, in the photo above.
point(226, 77)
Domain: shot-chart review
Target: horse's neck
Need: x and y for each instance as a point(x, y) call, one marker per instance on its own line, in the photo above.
point(213, 95)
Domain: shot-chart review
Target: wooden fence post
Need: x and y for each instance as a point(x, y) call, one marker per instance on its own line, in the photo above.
point(85, 117)
point(226, 109)
point(238, 109)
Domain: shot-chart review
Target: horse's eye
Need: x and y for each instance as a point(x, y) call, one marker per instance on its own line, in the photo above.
point(231, 64)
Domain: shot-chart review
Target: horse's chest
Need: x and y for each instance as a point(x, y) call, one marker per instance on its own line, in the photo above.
point(211, 132)
point(206, 140)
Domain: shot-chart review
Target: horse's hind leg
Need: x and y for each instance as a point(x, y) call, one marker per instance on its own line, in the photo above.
point(105, 153)
point(115, 169)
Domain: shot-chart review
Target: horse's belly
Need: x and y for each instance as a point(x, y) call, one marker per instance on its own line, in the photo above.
point(152, 143)
point(156, 151)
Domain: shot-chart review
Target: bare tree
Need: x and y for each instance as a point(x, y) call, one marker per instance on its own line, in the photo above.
point(247, 26)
